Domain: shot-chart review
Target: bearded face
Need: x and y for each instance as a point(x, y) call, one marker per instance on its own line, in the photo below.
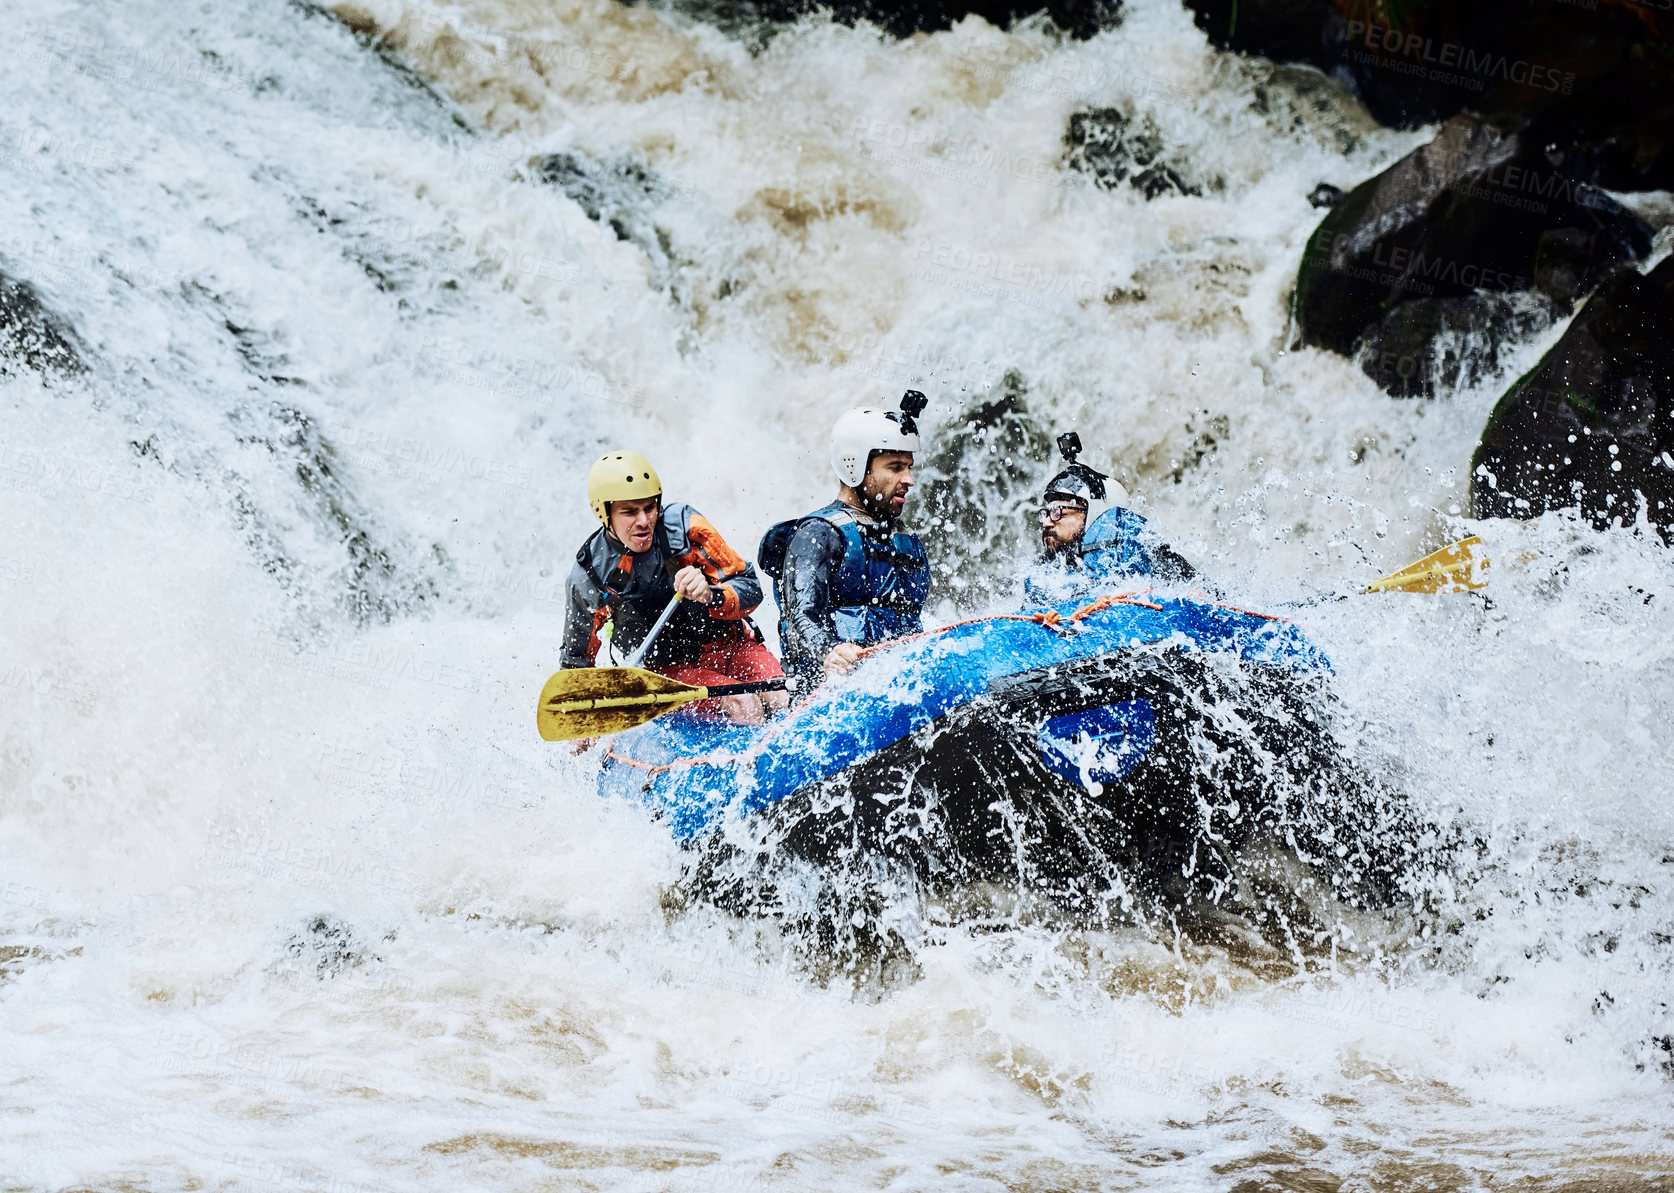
point(1061, 525)
point(888, 479)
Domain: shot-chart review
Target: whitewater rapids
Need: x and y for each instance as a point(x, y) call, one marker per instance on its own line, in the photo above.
point(291, 896)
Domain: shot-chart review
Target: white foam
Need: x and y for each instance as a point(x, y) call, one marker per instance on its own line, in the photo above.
point(204, 749)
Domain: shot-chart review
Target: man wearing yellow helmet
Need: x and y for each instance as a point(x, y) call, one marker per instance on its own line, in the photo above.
point(628, 570)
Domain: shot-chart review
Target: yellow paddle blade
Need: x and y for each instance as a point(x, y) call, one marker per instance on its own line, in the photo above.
point(592, 701)
point(1455, 568)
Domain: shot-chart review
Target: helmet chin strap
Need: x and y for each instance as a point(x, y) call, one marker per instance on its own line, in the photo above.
point(610, 530)
point(875, 506)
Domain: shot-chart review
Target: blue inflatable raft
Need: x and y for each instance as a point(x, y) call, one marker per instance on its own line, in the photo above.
point(1136, 741)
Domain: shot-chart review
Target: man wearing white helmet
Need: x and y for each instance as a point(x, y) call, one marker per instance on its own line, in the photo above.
point(631, 567)
point(849, 575)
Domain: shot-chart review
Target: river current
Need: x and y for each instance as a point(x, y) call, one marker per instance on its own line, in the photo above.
point(293, 899)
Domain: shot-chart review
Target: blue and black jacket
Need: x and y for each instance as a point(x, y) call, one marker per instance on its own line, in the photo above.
point(840, 576)
point(1118, 546)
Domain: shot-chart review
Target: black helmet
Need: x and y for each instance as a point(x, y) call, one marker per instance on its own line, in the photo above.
point(1077, 481)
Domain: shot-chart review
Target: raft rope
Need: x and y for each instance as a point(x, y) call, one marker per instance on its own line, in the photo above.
point(1049, 619)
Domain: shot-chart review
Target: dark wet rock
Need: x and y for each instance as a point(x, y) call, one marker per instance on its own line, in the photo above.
point(371, 585)
point(1622, 137)
point(1476, 238)
point(978, 487)
point(1319, 33)
point(375, 39)
point(1325, 195)
point(1591, 427)
point(611, 193)
point(1661, 1049)
point(1592, 79)
point(329, 946)
point(372, 576)
point(1082, 18)
point(619, 194)
point(31, 336)
point(1113, 149)
point(1429, 343)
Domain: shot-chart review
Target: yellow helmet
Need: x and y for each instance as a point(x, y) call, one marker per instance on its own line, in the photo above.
point(620, 476)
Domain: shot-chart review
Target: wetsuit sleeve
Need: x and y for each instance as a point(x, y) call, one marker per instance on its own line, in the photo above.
point(584, 614)
point(723, 567)
point(811, 561)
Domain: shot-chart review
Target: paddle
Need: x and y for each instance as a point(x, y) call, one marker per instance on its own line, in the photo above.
point(638, 656)
point(592, 701)
point(1455, 568)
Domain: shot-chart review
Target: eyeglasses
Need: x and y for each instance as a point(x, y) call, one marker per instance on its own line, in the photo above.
point(1055, 510)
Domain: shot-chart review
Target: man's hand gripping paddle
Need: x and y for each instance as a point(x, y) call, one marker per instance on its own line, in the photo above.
point(592, 701)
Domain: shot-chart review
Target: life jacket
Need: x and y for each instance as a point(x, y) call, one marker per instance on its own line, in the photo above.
point(880, 585)
point(632, 615)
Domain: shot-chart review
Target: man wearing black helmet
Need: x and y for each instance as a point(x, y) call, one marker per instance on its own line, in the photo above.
point(1118, 545)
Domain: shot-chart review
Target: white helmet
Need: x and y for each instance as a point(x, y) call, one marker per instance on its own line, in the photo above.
point(861, 432)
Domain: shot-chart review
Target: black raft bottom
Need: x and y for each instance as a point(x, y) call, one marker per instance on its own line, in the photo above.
point(1243, 788)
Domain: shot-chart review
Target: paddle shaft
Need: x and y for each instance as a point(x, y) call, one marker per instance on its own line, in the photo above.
point(638, 656)
point(1451, 564)
point(673, 699)
point(739, 689)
